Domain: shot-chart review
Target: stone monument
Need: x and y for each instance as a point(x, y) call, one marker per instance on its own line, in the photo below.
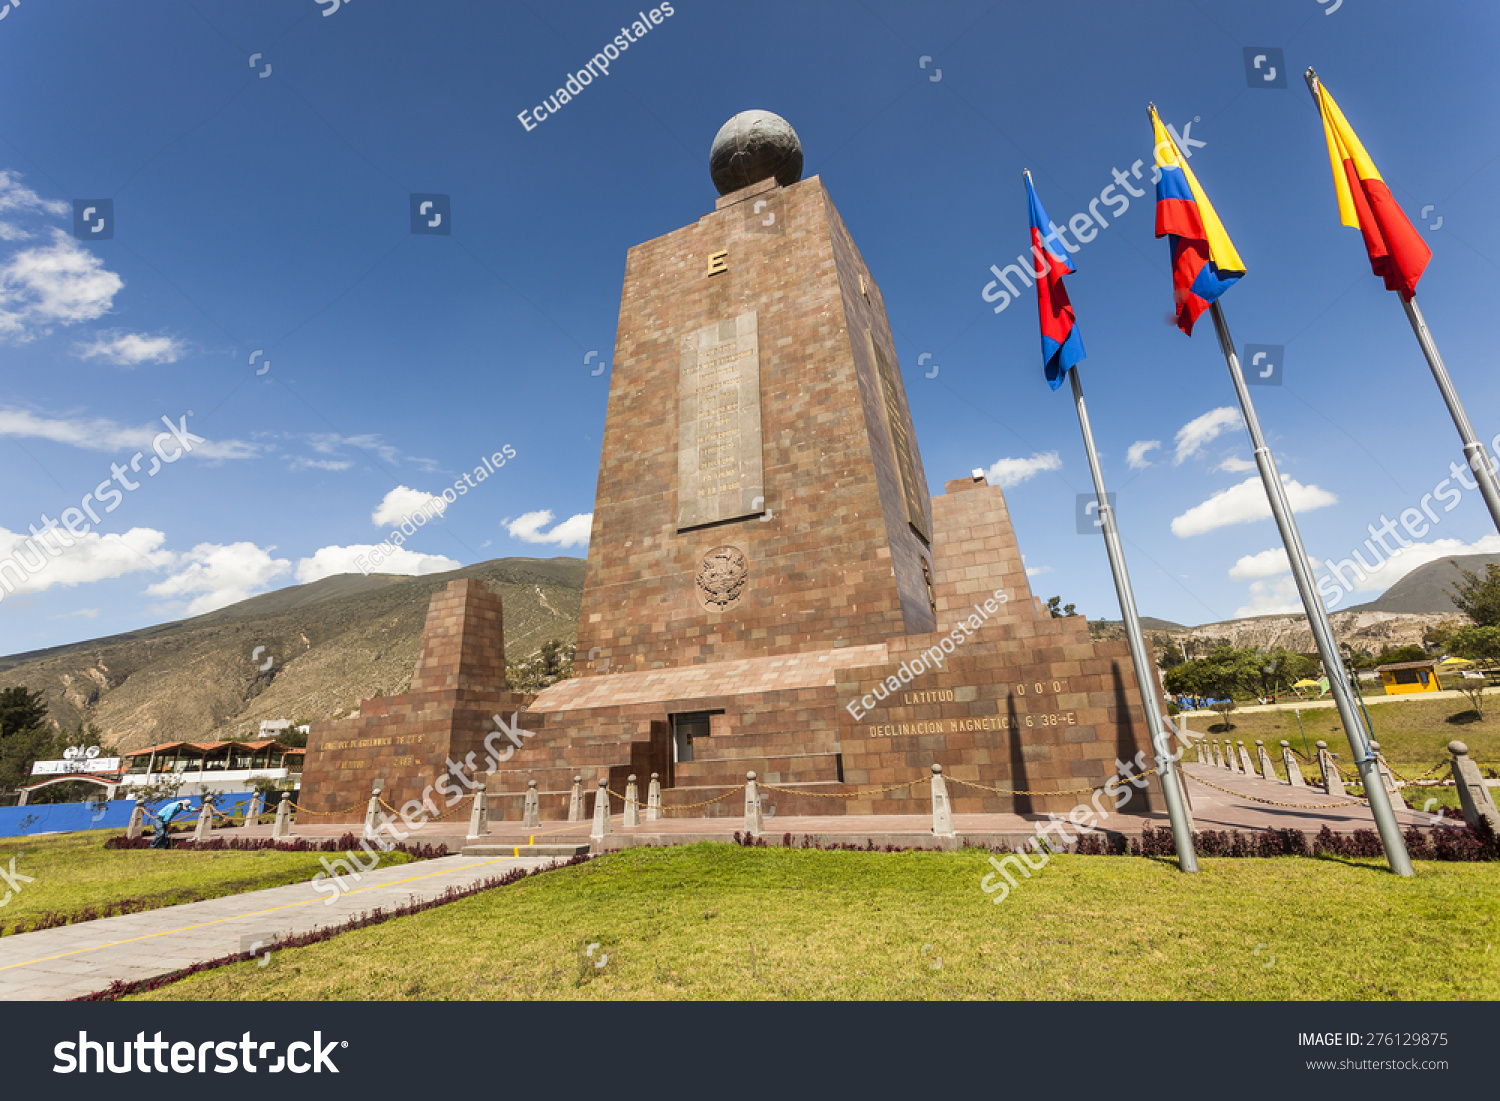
point(771, 585)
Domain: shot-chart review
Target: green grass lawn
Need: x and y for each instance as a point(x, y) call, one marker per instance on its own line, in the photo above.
point(715, 921)
point(75, 870)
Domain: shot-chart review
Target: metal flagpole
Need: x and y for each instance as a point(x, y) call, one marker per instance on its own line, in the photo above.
point(1317, 617)
point(1479, 459)
point(1145, 669)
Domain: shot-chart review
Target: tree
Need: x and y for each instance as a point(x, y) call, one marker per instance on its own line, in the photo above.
point(1401, 653)
point(1061, 613)
point(1479, 597)
point(1280, 669)
point(21, 710)
point(25, 736)
point(1481, 644)
point(1474, 691)
point(1434, 638)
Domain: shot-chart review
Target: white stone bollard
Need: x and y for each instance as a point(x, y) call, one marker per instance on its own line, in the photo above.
point(1267, 769)
point(283, 826)
point(1473, 794)
point(253, 811)
point(531, 815)
point(601, 810)
point(632, 811)
point(653, 799)
point(575, 802)
point(753, 822)
point(1245, 763)
point(137, 820)
point(1333, 783)
point(1293, 769)
point(479, 813)
point(1386, 775)
point(942, 810)
point(372, 813)
point(205, 820)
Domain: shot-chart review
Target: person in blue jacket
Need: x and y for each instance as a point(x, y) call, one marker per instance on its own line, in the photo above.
point(165, 815)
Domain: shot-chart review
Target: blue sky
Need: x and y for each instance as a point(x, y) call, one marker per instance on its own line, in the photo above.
point(273, 213)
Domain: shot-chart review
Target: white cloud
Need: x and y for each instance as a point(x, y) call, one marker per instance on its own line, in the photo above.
point(331, 443)
point(299, 462)
point(15, 197)
point(79, 613)
point(1197, 432)
point(1135, 455)
point(1035, 571)
point(402, 502)
point(572, 532)
point(1272, 596)
point(328, 561)
point(218, 574)
point(1388, 571)
point(61, 283)
point(1011, 472)
point(1244, 503)
point(128, 349)
point(1268, 563)
point(26, 567)
point(1235, 465)
point(102, 434)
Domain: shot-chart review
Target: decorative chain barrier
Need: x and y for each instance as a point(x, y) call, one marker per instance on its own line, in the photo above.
point(1415, 779)
point(841, 794)
point(1071, 791)
point(690, 806)
point(325, 813)
point(1273, 802)
point(435, 817)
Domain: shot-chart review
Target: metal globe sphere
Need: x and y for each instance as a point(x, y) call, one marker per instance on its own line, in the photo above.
point(754, 146)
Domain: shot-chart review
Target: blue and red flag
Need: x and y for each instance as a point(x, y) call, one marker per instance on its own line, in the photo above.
point(1204, 261)
point(1062, 344)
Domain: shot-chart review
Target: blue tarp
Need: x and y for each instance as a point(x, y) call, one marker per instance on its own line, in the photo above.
point(115, 814)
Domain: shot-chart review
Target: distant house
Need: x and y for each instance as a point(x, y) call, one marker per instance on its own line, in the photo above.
point(272, 728)
point(1405, 677)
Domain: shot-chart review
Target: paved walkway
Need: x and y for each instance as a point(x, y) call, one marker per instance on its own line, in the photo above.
point(74, 960)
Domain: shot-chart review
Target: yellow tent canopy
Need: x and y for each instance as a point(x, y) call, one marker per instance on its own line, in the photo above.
point(1305, 683)
point(1452, 662)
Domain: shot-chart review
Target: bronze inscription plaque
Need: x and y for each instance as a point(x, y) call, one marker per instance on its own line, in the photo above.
point(719, 471)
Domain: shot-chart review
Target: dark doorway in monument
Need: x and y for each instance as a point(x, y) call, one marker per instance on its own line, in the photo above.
point(688, 727)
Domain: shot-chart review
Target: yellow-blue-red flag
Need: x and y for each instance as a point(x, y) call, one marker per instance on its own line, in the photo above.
point(1204, 261)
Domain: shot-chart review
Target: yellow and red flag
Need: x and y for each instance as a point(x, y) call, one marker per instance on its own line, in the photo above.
point(1397, 252)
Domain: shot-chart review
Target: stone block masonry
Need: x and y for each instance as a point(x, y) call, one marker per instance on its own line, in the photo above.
point(765, 549)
